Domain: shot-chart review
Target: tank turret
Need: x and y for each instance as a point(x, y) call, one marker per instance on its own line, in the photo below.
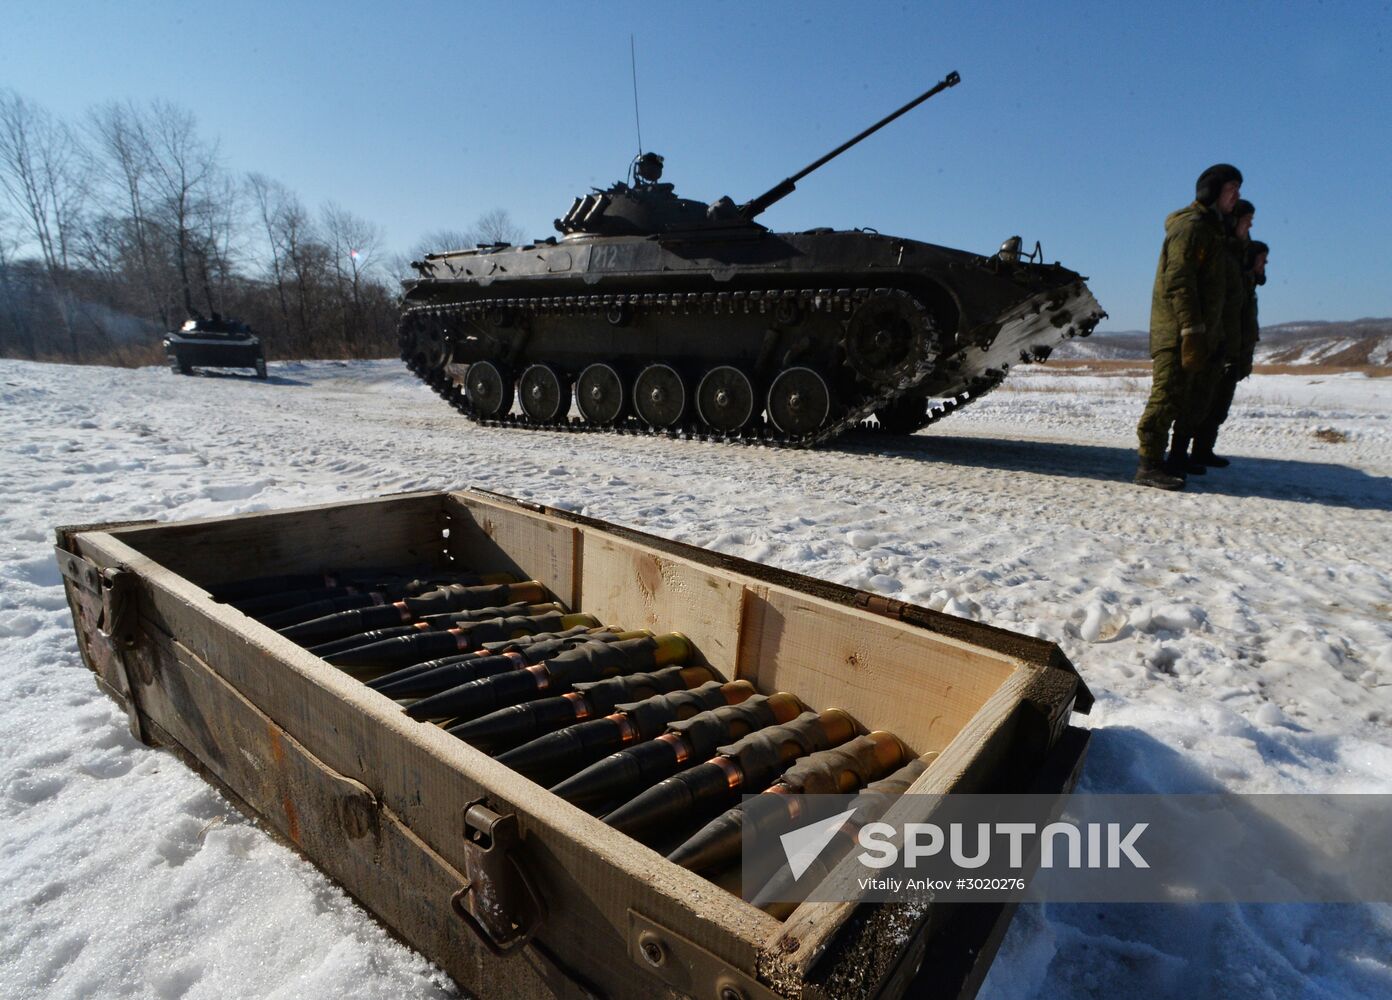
point(644, 206)
point(669, 315)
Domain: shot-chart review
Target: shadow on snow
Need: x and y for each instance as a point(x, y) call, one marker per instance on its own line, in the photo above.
point(240, 375)
point(1329, 483)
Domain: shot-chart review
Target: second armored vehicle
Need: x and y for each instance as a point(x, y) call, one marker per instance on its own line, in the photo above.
point(214, 343)
point(663, 314)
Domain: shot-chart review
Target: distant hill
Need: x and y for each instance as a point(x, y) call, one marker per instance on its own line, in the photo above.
point(1351, 342)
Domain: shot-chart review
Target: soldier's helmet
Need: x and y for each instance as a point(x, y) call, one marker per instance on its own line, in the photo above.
point(1210, 183)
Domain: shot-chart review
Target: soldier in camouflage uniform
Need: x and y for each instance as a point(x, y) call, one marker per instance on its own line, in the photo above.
point(1208, 386)
point(1253, 274)
point(1186, 312)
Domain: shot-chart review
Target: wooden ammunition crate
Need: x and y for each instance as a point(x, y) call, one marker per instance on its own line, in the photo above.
point(404, 816)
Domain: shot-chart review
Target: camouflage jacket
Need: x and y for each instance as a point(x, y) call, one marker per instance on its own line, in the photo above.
point(1235, 301)
point(1251, 331)
point(1191, 278)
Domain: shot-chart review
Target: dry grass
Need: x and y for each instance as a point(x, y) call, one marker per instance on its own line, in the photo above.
point(1372, 371)
point(1141, 369)
point(1331, 435)
point(1080, 366)
point(116, 356)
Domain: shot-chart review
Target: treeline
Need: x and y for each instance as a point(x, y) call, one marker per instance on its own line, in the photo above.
point(120, 226)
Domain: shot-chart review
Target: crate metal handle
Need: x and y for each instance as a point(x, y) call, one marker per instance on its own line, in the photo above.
point(498, 901)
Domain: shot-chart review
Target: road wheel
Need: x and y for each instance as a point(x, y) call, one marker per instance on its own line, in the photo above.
point(659, 396)
point(799, 401)
point(599, 394)
point(488, 388)
point(543, 393)
point(725, 399)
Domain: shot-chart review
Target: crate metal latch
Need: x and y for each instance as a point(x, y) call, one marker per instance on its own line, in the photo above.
point(118, 607)
point(117, 625)
point(498, 901)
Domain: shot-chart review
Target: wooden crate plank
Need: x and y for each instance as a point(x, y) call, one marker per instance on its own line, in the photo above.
point(490, 539)
point(624, 584)
point(1014, 645)
point(920, 686)
point(336, 821)
point(390, 531)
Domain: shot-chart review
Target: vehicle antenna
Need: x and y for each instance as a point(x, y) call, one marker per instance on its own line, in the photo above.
point(633, 62)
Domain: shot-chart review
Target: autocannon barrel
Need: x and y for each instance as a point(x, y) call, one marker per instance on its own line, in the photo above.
point(786, 186)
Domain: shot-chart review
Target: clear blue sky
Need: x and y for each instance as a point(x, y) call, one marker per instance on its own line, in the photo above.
point(1078, 124)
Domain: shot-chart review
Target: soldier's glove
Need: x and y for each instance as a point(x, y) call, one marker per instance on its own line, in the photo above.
point(1192, 352)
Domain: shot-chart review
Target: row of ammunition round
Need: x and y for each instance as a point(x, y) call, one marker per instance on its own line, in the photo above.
point(627, 725)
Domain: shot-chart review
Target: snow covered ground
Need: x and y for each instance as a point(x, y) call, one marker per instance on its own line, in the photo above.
point(1351, 345)
point(1238, 636)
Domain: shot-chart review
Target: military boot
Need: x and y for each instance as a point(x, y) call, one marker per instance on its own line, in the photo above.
point(1179, 464)
point(1152, 473)
point(1203, 451)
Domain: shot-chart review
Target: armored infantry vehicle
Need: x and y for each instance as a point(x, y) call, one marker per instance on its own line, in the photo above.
point(214, 343)
point(661, 314)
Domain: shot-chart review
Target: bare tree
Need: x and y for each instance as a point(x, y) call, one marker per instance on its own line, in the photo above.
point(126, 160)
point(354, 243)
point(273, 202)
point(14, 324)
point(216, 212)
point(44, 174)
point(168, 231)
point(440, 240)
point(493, 226)
point(295, 252)
point(183, 165)
point(496, 226)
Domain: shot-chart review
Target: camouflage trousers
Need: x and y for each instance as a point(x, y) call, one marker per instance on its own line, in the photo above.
point(1207, 434)
point(1178, 400)
point(1203, 390)
point(1169, 386)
